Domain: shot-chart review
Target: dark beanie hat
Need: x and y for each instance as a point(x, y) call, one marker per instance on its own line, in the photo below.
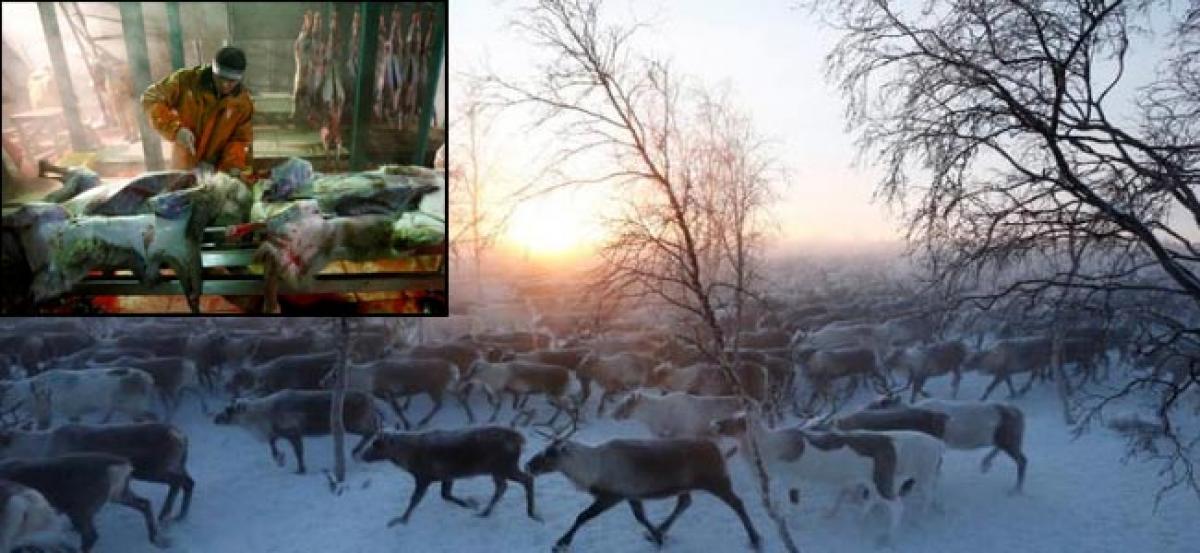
point(232, 60)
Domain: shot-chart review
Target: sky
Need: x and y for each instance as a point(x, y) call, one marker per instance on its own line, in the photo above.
point(771, 55)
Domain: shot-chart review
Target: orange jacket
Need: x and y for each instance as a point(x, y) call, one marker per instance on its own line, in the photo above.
point(188, 98)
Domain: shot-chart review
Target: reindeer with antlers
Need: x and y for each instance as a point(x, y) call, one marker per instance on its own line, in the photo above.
point(637, 470)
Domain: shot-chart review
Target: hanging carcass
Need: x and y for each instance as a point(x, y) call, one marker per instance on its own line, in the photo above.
point(301, 50)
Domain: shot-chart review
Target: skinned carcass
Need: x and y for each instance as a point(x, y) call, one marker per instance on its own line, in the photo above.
point(301, 241)
point(301, 49)
point(60, 251)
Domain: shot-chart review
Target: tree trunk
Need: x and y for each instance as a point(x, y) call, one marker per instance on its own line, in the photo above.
point(336, 424)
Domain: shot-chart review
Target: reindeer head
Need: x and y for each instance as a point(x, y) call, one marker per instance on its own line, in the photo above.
point(627, 407)
point(231, 413)
point(559, 448)
point(380, 448)
point(886, 401)
point(240, 380)
point(733, 426)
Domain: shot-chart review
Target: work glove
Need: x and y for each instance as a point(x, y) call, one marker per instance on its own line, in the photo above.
point(185, 138)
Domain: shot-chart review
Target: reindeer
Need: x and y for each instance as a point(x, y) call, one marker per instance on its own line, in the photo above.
point(446, 455)
point(637, 470)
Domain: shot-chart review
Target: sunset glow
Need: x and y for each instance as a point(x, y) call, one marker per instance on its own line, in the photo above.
point(554, 226)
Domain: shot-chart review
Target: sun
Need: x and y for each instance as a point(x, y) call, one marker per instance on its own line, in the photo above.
point(552, 226)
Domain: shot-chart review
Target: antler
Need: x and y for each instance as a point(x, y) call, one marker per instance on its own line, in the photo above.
point(566, 431)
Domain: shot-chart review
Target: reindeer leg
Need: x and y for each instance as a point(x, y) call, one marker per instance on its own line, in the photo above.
point(391, 397)
point(275, 454)
point(448, 495)
point(418, 493)
point(501, 484)
point(681, 504)
point(724, 491)
point(188, 484)
point(995, 382)
point(437, 406)
point(1029, 384)
point(602, 503)
point(517, 475)
point(603, 399)
point(955, 383)
point(495, 406)
point(558, 409)
point(464, 397)
point(87, 530)
point(298, 448)
point(142, 505)
point(639, 512)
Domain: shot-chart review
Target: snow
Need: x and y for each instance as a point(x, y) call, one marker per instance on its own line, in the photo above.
point(1079, 496)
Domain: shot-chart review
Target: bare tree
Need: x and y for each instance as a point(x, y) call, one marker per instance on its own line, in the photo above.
point(341, 384)
point(1002, 137)
point(693, 173)
point(477, 221)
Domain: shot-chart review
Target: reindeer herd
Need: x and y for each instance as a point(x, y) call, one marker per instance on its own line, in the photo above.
point(276, 382)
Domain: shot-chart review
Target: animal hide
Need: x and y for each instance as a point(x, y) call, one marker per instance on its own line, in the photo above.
point(75, 181)
point(129, 198)
point(60, 250)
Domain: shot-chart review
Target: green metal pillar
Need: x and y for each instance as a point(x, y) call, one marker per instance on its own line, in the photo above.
point(139, 64)
point(431, 80)
point(62, 76)
point(364, 91)
point(175, 35)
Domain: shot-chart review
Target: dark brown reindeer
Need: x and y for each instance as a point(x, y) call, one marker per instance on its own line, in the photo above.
point(446, 455)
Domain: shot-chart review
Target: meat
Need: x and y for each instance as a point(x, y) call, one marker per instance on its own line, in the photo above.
point(413, 64)
point(333, 95)
point(301, 50)
point(381, 67)
point(316, 73)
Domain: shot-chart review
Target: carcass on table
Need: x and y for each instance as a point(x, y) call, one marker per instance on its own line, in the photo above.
point(300, 241)
point(61, 250)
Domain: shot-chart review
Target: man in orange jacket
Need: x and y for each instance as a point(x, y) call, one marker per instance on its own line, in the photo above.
point(206, 112)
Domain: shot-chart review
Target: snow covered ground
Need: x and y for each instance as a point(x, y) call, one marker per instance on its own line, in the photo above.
point(1079, 497)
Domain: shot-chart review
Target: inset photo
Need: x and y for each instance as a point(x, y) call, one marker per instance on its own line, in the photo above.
point(224, 158)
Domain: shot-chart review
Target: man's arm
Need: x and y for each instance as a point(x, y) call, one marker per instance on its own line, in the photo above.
point(159, 103)
point(236, 154)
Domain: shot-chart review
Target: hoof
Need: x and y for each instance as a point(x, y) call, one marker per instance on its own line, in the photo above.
point(397, 520)
point(656, 539)
point(278, 459)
